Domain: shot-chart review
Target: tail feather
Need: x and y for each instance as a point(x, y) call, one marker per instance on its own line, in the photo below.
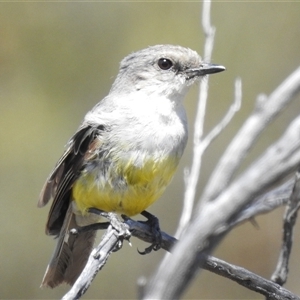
point(70, 255)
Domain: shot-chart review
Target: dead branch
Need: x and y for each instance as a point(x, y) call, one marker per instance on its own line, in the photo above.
point(112, 239)
point(281, 272)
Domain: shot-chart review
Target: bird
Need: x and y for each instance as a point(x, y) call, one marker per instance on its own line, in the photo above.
point(124, 153)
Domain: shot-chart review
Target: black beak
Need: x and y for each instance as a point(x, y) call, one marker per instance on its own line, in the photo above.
point(205, 69)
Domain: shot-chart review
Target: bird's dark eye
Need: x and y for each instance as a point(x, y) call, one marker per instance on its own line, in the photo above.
point(165, 63)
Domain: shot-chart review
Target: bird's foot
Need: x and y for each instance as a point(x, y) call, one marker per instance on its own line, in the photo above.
point(116, 223)
point(153, 222)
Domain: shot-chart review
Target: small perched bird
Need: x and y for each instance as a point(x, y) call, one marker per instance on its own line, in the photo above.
point(123, 155)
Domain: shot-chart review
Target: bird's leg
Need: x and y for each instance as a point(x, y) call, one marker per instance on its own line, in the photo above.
point(153, 223)
point(114, 221)
point(94, 226)
point(91, 227)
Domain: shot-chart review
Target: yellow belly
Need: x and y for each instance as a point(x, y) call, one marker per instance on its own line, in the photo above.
point(135, 188)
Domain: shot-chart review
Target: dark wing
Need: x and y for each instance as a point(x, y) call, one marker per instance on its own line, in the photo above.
point(59, 183)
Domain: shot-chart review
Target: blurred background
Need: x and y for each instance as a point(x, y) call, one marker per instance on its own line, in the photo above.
point(59, 59)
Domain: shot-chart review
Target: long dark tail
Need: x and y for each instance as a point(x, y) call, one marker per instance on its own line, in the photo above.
point(70, 255)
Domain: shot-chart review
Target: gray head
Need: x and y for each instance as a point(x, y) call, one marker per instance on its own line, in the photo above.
point(162, 69)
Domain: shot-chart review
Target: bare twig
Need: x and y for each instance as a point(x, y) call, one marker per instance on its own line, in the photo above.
point(96, 262)
point(281, 272)
point(267, 108)
point(236, 105)
point(142, 231)
point(200, 145)
point(265, 203)
point(248, 279)
point(208, 29)
point(237, 274)
point(199, 149)
point(192, 176)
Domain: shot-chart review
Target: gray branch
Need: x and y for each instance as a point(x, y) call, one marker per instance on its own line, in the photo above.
point(266, 110)
point(111, 240)
point(248, 279)
point(281, 272)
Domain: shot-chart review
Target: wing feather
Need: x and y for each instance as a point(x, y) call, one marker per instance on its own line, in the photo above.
point(59, 183)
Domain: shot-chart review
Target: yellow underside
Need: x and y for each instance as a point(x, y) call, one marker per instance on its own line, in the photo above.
point(138, 189)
